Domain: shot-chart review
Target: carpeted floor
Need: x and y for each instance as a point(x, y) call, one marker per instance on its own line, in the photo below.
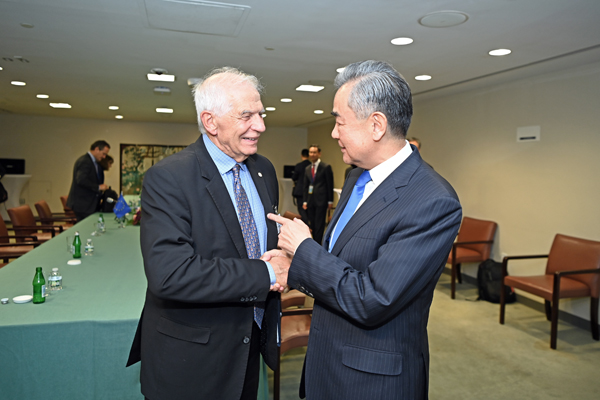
point(473, 357)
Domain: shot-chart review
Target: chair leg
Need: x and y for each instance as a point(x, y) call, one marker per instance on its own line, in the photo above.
point(554, 324)
point(548, 308)
point(502, 302)
point(594, 318)
point(453, 281)
point(276, 376)
point(458, 274)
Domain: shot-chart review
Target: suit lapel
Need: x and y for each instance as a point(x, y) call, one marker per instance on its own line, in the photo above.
point(220, 196)
point(385, 194)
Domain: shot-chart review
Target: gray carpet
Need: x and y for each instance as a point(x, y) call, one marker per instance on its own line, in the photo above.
point(474, 357)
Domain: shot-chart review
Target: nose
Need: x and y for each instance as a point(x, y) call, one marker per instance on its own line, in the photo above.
point(258, 123)
point(334, 133)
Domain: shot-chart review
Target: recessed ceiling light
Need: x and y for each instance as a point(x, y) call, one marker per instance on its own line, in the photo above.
point(26, 25)
point(1, 68)
point(286, 100)
point(60, 105)
point(113, 107)
point(18, 83)
point(118, 116)
point(42, 96)
point(162, 90)
point(499, 52)
point(340, 70)
point(263, 115)
point(318, 111)
point(423, 77)
point(270, 109)
point(161, 77)
point(164, 110)
point(310, 88)
point(402, 41)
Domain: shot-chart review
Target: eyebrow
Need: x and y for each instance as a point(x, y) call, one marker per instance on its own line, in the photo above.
point(335, 114)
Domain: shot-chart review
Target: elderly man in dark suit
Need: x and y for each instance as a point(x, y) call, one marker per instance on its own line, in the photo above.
point(88, 181)
point(318, 192)
point(209, 312)
point(384, 250)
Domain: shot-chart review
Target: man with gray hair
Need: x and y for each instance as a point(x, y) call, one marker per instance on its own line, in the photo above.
point(212, 306)
point(383, 252)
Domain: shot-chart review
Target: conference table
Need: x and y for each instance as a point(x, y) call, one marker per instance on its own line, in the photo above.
point(75, 344)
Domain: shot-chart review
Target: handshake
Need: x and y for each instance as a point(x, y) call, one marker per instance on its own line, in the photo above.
point(291, 234)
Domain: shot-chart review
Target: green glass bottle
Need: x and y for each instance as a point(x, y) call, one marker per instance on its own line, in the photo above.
point(77, 246)
point(39, 286)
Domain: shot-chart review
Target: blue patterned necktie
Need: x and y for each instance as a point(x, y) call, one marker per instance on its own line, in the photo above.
point(355, 197)
point(248, 230)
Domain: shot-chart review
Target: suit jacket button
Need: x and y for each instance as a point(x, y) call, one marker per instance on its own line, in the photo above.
point(246, 340)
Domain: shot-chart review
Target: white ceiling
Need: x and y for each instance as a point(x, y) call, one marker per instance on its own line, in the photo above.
point(96, 53)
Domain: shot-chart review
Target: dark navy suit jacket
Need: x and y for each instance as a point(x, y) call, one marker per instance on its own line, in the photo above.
point(368, 337)
point(193, 336)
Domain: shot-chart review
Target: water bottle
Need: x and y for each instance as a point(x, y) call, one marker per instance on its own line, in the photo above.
point(89, 248)
point(77, 246)
point(55, 281)
point(39, 286)
point(101, 225)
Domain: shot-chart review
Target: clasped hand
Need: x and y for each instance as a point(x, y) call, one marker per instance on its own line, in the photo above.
point(291, 234)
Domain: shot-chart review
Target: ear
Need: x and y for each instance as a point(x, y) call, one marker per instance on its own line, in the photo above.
point(208, 120)
point(378, 125)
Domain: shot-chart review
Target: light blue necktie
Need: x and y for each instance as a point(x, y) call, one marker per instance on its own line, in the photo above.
point(248, 230)
point(355, 197)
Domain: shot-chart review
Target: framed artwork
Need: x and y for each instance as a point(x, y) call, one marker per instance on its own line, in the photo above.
point(135, 161)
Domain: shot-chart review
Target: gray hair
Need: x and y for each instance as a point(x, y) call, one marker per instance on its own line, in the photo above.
point(378, 87)
point(211, 94)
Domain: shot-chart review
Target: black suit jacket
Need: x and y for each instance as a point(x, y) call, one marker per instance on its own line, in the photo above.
point(322, 185)
point(298, 178)
point(193, 336)
point(84, 195)
point(368, 335)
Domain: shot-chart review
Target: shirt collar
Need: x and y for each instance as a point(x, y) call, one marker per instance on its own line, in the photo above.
point(383, 170)
point(223, 162)
point(93, 158)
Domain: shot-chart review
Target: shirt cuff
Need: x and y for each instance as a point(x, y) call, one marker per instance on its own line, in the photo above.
point(271, 273)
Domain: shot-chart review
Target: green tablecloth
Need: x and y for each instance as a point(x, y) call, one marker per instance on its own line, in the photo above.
point(75, 345)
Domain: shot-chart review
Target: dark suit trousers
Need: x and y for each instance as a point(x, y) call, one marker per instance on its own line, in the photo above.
point(301, 210)
point(316, 216)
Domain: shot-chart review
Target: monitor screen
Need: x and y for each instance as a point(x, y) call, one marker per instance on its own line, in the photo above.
point(288, 171)
point(13, 166)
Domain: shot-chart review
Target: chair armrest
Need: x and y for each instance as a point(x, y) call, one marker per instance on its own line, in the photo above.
point(577, 272)
point(297, 311)
point(472, 242)
point(34, 244)
point(507, 258)
point(292, 298)
point(46, 228)
point(58, 219)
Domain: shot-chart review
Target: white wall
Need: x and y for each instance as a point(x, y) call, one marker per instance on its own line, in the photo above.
point(50, 147)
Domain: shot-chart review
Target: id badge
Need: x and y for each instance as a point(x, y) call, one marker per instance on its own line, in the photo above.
point(310, 189)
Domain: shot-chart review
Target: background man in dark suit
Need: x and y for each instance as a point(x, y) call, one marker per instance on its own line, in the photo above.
point(298, 178)
point(318, 192)
point(88, 181)
point(209, 312)
point(384, 250)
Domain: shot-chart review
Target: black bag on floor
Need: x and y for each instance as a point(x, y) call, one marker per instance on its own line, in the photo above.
point(489, 282)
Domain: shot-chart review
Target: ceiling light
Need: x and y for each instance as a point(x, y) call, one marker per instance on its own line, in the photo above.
point(60, 105)
point(162, 90)
point(1, 68)
point(160, 75)
point(26, 25)
point(402, 41)
point(340, 70)
point(118, 116)
point(164, 110)
point(42, 96)
point(318, 111)
point(263, 115)
point(113, 107)
point(499, 52)
point(423, 77)
point(285, 100)
point(18, 83)
point(310, 88)
point(270, 109)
